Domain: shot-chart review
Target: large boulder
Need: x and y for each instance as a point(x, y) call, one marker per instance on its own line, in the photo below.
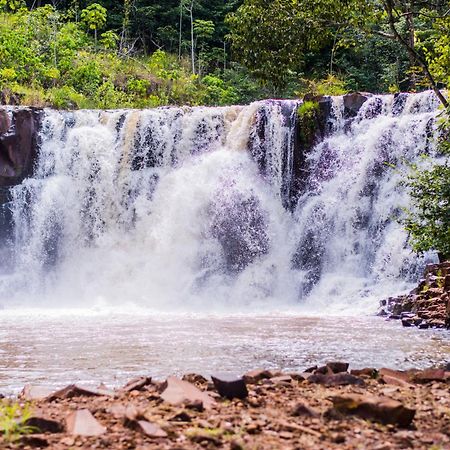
point(19, 130)
point(353, 103)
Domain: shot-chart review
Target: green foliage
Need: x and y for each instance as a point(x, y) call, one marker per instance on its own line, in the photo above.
point(429, 221)
point(94, 16)
point(332, 85)
point(11, 5)
point(13, 420)
point(308, 114)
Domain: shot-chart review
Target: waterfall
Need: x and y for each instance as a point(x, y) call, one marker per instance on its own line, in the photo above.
point(192, 209)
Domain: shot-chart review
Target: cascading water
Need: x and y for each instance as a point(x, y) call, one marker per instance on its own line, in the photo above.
point(187, 208)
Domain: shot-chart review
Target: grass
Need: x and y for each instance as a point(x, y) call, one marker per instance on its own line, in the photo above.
point(13, 418)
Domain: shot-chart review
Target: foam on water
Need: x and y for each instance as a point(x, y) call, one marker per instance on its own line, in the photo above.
point(184, 209)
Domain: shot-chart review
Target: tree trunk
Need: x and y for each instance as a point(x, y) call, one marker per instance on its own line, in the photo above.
point(191, 12)
point(389, 8)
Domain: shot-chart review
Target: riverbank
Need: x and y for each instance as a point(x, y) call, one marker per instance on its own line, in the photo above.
point(426, 306)
point(328, 407)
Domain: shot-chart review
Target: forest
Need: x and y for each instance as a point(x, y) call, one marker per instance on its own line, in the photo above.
point(147, 53)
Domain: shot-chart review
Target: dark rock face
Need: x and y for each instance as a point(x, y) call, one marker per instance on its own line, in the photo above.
point(353, 103)
point(230, 387)
point(18, 145)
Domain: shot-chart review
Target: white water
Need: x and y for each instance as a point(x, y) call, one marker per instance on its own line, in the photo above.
point(167, 210)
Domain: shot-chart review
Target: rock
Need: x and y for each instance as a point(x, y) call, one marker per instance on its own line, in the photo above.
point(35, 441)
point(136, 384)
point(179, 392)
point(35, 393)
point(83, 423)
point(366, 372)
point(430, 375)
point(353, 103)
point(285, 380)
point(74, 390)
point(338, 367)
point(44, 425)
point(338, 379)
point(149, 429)
point(398, 374)
point(18, 145)
point(302, 410)
point(230, 387)
point(395, 381)
point(254, 376)
point(195, 378)
point(379, 409)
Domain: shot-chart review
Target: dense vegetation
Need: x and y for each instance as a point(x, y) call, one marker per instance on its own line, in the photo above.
point(141, 53)
point(145, 53)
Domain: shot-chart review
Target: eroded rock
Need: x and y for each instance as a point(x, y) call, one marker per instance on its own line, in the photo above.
point(380, 409)
point(230, 387)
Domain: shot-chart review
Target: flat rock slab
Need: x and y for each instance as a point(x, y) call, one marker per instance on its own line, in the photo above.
point(179, 392)
point(74, 390)
point(136, 384)
point(83, 423)
point(379, 409)
point(230, 387)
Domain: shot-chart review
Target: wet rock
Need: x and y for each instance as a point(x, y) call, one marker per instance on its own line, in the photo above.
point(83, 423)
point(339, 379)
point(44, 425)
point(136, 384)
point(379, 409)
point(353, 103)
point(254, 376)
point(149, 429)
point(230, 387)
point(179, 392)
point(338, 367)
point(74, 390)
point(18, 144)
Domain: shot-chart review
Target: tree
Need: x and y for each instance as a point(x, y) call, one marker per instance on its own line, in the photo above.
point(273, 37)
point(94, 16)
point(11, 5)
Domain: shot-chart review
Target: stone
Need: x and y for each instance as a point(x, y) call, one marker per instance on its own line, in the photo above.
point(136, 384)
point(430, 375)
point(366, 372)
point(179, 392)
point(149, 429)
point(74, 390)
point(254, 376)
point(338, 379)
point(18, 145)
point(35, 441)
point(83, 423)
point(353, 103)
point(230, 387)
point(195, 378)
point(386, 379)
point(338, 367)
point(379, 409)
point(303, 410)
point(35, 393)
point(44, 425)
point(398, 374)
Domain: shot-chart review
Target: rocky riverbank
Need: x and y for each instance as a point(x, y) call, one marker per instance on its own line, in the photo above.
point(426, 306)
point(325, 407)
